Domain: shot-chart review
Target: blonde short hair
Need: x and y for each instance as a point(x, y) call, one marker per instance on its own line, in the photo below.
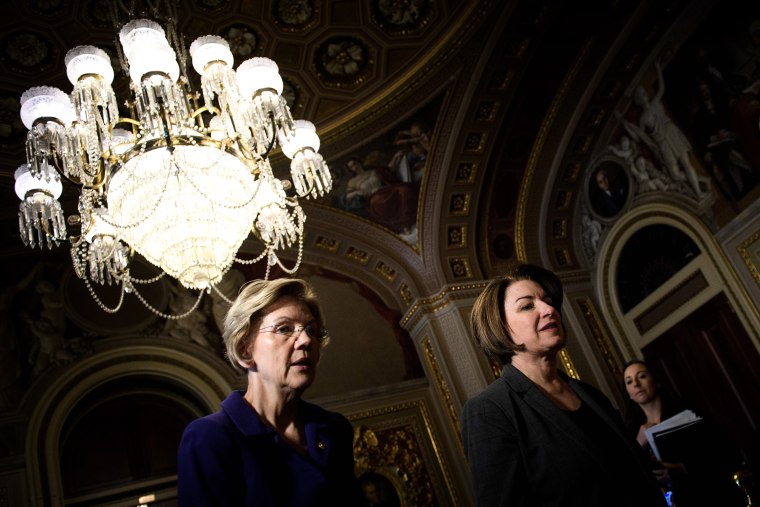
point(252, 305)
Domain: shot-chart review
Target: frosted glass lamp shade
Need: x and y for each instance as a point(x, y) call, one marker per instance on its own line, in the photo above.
point(45, 102)
point(149, 58)
point(207, 49)
point(256, 74)
point(84, 60)
point(147, 50)
point(304, 136)
point(139, 32)
point(27, 184)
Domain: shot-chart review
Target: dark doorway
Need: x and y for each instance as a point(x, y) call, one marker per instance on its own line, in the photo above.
point(709, 361)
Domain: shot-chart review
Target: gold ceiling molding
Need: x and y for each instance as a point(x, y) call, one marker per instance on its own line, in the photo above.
point(443, 388)
point(749, 250)
point(538, 150)
point(602, 340)
point(433, 304)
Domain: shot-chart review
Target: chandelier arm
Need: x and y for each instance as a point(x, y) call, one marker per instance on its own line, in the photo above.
point(203, 109)
point(135, 125)
point(274, 134)
point(100, 303)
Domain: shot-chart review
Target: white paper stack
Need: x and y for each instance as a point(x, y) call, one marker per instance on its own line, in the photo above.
point(670, 427)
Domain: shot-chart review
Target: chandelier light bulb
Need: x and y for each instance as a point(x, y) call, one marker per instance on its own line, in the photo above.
point(257, 74)
point(147, 50)
point(88, 60)
point(33, 187)
point(207, 49)
point(304, 136)
point(45, 102)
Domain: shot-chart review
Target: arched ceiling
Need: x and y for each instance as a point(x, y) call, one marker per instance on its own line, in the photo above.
point(526, 91)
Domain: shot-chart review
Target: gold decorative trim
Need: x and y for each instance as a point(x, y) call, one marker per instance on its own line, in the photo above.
point(564, 198)
point(441, 300)
point(443, 390)
point(459, 204)
point(562, 255)
point(567, 363)
point(390, 436)
point(501, 79)
point(474, 142)
point(405, 293)
point(486, 111)
point(329, 244)
point(460, 267)
point(747, 255)
point(456, 236)
point(572, 171)
point(357, 255)
point(386, 271)
point(559, 228)
point(538, 149)
point(603, 342)
point(595, 116)
point(465, 173)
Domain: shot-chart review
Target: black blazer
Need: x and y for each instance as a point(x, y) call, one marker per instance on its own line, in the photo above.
point(523, 450)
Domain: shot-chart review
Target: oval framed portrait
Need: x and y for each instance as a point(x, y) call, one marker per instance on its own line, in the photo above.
point(608, 189)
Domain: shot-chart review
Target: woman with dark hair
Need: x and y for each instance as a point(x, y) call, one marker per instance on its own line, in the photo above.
point(536, 437)
point(703, 474)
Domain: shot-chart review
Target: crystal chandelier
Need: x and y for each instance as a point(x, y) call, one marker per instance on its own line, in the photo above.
point(183, 181)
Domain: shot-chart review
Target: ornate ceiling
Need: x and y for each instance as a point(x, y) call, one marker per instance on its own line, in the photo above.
point(517, 95)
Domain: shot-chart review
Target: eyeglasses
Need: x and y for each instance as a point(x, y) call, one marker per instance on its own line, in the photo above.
point(291, 331)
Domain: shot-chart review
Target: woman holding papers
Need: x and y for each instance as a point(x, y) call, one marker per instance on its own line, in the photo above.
point(536, 437)
point(689, 455)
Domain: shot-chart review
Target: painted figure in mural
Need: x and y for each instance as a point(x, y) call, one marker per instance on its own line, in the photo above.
point(703, 476)
point(360, 186)
point(721, 153)
point(375, 192)
point(409, 160)
point(663, 136)
point(267, 446)
point(536, 436)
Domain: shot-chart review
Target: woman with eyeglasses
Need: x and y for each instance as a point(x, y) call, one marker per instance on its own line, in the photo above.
point(267, 446)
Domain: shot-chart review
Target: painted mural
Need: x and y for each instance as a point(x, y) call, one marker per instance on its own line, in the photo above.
point(381, 181)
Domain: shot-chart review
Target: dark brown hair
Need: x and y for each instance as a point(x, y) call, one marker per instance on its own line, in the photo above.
point(488, 319)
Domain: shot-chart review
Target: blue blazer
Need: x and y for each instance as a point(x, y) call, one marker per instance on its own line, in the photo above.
point(523, 450)
point(231, 458)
